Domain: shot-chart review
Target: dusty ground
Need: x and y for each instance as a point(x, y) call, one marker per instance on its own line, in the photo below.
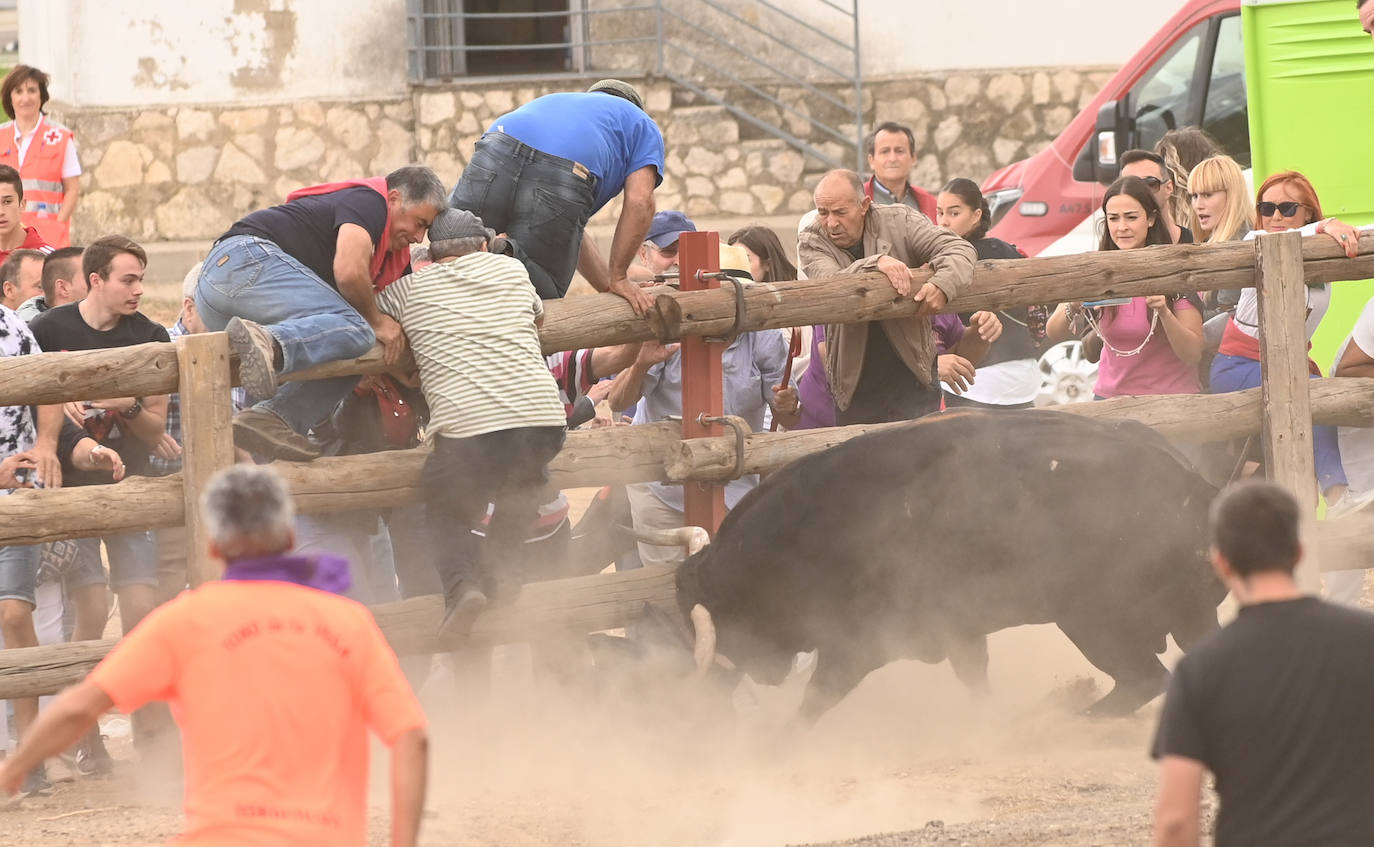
point(908, 751)
point(910, 758)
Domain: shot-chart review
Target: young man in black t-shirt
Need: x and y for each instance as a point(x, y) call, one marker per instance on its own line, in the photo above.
point(1276, 705)
point(132, 426)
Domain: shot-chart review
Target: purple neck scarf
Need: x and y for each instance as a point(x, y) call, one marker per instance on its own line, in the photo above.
point(320, 571)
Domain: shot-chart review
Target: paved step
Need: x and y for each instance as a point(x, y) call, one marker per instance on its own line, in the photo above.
point(168, 262)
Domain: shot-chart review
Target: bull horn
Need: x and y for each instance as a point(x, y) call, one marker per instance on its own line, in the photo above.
point(694, 538)
point(704, 650)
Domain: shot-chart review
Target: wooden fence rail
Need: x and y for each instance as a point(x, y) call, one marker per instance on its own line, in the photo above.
point(610, 457)
point(550, 609)
point(605, 319)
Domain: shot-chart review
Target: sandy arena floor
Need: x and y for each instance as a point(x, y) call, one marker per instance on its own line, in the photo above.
point(909, 751)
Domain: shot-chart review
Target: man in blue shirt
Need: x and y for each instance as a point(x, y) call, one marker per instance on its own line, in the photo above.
point(540, 172)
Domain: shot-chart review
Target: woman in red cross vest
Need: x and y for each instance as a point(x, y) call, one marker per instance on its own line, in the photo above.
point(43, 152)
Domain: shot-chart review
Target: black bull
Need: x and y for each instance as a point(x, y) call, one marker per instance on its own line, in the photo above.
point(917, 542)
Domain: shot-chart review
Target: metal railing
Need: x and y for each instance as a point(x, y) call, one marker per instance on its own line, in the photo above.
point(793, 73)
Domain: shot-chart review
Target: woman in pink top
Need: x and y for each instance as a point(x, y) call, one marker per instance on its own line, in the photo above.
point(1151, 345)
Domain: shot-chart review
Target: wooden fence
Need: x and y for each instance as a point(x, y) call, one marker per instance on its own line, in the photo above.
point(1282, 410)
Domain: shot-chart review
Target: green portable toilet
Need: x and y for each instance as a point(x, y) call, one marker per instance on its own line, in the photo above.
point(1309, 71)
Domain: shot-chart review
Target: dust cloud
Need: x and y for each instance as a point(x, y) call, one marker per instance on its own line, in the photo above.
point(604, 761)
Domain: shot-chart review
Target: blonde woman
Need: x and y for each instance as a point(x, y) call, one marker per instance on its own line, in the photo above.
point(1221, 211)
point(1221, 201)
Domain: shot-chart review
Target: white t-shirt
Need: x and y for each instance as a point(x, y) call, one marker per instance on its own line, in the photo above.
point(470, 322)
point(1246, 315)
point(71, 166)
point(1357, 442)
point(16, 423)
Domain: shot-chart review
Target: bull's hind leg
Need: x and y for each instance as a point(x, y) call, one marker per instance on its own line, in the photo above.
point(1127, 655)
point(1193, 620)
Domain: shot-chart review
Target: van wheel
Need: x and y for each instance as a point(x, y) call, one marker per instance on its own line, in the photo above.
point(1066, 376)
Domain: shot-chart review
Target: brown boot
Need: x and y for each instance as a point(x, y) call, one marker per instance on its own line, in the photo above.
point(256, 350)
point(265, 434)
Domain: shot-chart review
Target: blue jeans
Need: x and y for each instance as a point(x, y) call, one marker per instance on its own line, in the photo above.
point(353, 535)
point(541, 202)
point(18, 573)
point(133, 561)
point(254, 279)
point(1236, 373)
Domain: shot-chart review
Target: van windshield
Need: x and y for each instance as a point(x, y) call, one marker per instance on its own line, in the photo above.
point(1165, 97)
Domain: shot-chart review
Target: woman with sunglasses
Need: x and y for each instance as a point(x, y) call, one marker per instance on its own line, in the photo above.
point(1151, 345)
point(1285, 201)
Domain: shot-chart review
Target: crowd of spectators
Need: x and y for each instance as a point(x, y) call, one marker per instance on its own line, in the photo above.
point(338, 267)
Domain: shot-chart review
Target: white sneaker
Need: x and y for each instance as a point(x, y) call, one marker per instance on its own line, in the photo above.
point(1349, 503)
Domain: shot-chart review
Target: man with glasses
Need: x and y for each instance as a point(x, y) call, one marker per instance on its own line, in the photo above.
point(658, 254)
point(1151, 169)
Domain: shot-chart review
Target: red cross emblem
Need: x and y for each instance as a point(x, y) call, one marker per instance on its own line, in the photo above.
point(52, 136)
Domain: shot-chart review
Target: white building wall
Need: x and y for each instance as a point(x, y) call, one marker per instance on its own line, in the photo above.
point(111, 53)
point(163, 52)
point(904, 36)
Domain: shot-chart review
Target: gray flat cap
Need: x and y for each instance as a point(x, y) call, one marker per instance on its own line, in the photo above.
point(458, 223)
point(619, 88)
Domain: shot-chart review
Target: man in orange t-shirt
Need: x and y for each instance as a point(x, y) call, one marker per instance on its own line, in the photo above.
point(274, 681)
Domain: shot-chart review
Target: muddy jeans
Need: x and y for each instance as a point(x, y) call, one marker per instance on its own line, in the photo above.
point(508, 469)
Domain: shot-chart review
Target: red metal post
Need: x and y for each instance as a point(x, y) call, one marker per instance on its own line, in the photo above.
point(703, 504)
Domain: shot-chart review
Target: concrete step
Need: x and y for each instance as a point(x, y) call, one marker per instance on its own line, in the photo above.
point(168, 262)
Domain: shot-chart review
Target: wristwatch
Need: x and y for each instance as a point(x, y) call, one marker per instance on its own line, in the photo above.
point(133, 411)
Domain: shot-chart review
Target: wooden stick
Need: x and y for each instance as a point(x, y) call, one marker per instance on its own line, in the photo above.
point(77, 812)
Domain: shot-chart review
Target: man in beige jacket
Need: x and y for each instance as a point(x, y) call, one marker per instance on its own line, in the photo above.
point(882, 370)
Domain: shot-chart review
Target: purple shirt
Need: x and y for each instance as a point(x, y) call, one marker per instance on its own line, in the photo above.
point(948, 331)
point(813, 389)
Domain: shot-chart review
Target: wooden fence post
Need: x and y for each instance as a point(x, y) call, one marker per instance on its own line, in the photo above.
point(207, 440)
point(1287, 404)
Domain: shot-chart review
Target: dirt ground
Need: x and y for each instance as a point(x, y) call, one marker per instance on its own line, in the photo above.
point(909, 751)
point(909, 758)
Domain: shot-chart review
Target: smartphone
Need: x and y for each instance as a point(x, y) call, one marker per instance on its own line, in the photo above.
point(1108, 301)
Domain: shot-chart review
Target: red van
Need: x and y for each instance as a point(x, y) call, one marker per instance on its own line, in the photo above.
point(1191, 73)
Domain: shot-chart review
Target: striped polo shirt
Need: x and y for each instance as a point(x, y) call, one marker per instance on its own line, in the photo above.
point(471, 324)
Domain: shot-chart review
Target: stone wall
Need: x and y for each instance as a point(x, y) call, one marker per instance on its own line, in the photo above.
point(184, 173)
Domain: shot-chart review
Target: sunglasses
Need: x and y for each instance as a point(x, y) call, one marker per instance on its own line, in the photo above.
point(1288, 210)
point(1153, 182)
